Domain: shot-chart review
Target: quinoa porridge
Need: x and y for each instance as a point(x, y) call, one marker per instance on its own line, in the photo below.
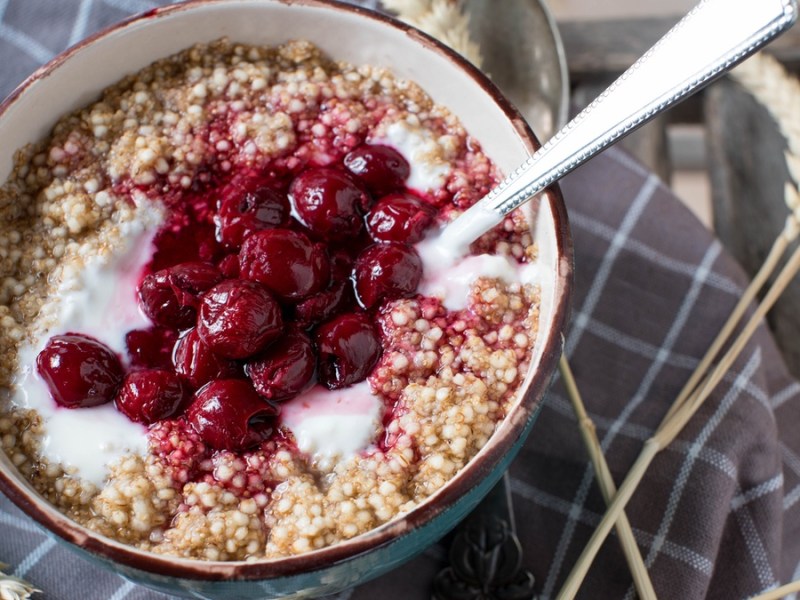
point(224, 333)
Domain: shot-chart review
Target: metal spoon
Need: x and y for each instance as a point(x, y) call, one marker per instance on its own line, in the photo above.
point(707, 42)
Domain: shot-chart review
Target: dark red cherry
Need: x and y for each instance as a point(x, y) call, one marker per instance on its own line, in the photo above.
point(286, 262)
point(169, 297)
point(150, 348)
point(399, 218)
point(229, 266)
point(150, 395)
point(385, 272)
point(184, 237)
point(190, 280)
point(228, 414)
point(161, 305)
point(348, 349)
point(285, 368)
point(242, 212)
point(198, 364)
point(341, 261)
point(239, 318)
point(322, 306)
point(329, 202)
point(382, 169)
point(79, 371)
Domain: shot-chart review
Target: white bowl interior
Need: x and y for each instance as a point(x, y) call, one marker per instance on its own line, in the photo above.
point(84, 73)
point(79, 79)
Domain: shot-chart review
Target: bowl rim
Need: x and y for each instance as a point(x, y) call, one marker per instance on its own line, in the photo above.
point(499, 444)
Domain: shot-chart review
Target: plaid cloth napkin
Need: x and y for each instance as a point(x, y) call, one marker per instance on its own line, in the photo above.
point(718, 515)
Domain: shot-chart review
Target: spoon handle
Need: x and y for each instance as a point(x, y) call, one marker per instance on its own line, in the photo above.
point(712, 38)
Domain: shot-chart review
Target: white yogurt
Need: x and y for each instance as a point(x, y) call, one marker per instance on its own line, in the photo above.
point(417, 145)
point(99, 301)
point(332, 425)
point(450, 277)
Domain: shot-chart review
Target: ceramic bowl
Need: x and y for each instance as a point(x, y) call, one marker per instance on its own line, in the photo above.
point(76, 77)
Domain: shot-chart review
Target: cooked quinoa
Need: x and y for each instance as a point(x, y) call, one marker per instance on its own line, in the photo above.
point(446, 378)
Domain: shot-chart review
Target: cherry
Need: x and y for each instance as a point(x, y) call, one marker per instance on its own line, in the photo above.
point(385, 272)
point(285, 368)
point(79, 371)
point(169, 297)
point(150, 395)
point(239, 318)
point(329, 202)
point(381, 168)
point(150, 348)
point(242, 212)
point(322, 306)
point(286, 262)
point(190, 280)
point(399, 218)
point(185, 237)
point(348, 349)
point(337, 298)
point(341, 261)
point(229, 266)
point(228, 414)
point(161, 305)
point(198, 364)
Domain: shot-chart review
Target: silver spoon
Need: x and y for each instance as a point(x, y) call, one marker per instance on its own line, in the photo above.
point(707, 42)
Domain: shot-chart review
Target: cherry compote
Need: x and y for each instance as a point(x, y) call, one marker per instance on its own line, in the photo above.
point(261, 284)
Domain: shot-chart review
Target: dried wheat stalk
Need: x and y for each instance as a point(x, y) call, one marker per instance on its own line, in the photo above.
point(605, 480)
point(767, 80)
point(780, 592)
point(13, 588)
point(445, 20)
point(769, 83)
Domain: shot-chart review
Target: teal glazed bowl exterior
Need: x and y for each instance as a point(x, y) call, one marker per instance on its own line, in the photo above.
point(76, 78)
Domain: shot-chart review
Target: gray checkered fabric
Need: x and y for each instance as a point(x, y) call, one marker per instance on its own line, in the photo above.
point(718, 515)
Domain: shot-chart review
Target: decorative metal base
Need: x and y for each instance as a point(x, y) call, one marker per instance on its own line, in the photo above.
point(486, 556)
